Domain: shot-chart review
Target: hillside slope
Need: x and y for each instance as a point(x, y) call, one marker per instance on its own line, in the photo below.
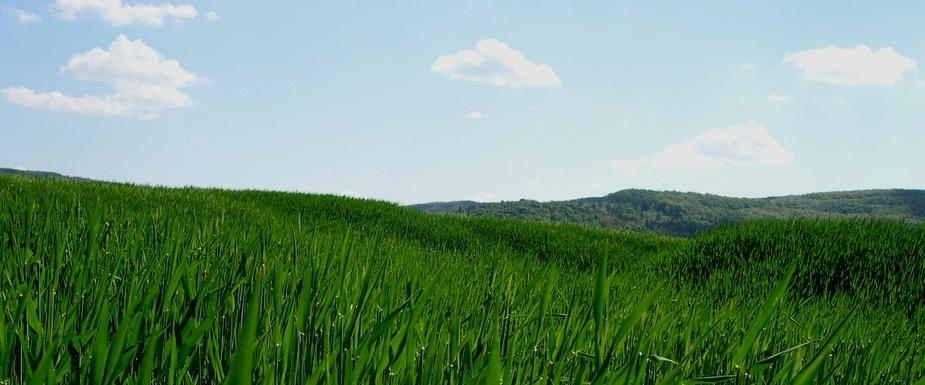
point(670, 213)
point(116, 283)
point(685, 214)
point(40, 174)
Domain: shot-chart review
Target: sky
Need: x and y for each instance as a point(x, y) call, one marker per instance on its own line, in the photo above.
point(414, 102)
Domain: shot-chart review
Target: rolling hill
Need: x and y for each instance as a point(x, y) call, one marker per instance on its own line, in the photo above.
point(671, 213)
point(40, 174)
point(685, 214)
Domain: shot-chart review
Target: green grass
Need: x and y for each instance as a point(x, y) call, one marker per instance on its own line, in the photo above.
point(110, 283)
point(876, 262)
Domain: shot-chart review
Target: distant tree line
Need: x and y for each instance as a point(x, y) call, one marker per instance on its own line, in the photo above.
point(41, 174)
point(685, 214)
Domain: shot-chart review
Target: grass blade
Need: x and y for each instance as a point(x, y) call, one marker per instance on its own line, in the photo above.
point(766, 363)
point(709, 380)
point(769, 307)
point(241, 371)
point(812, 369)
point(597, 306)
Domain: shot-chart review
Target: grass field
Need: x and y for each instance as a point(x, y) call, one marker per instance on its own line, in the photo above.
point(108, 283)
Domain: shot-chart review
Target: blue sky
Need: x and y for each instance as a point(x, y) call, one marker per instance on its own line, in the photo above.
point(420, 102)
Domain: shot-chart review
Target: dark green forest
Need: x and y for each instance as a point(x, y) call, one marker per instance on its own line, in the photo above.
point(685, 214)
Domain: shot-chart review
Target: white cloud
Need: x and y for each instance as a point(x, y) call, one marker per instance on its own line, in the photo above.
point(211, 16)
point(483, 197)
point(628, 166)
point(22, 17)
point(533, 184)
point(151, 101)
point(116, 13)
point(851, 66)
point(475, 115)
point(352, 194)
point(127, 64)
point(747, 67)
point(144, 81)
point(496, 63)
point(741, 144)
point(779, 98)
point(593, 186)
point(20, 168)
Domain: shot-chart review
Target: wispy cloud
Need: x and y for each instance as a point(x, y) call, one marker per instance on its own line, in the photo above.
point(745, 144)
point(144, 81)
point(211, 16)
point(628, 166)
point(741, 144)
point(483, 197)
point(779, 98)
point(851, 66)
point(118, 14)
point(475, 115)
point(747, 67)
point(22, 17)
point(494, 62)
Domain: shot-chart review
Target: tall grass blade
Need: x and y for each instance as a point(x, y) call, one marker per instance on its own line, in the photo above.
point(45, 370)
point(597, 306)
point(241, 370)
point(766, 363)
point(624, 329)
point(811, 370)
point(100, 346)
point(710, 379)
point(769, 308)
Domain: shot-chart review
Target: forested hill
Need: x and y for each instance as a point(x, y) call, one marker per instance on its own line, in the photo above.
point(41, 174)
point(684, 214)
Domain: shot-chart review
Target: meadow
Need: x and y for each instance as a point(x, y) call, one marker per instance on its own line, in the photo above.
point(105, 283)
